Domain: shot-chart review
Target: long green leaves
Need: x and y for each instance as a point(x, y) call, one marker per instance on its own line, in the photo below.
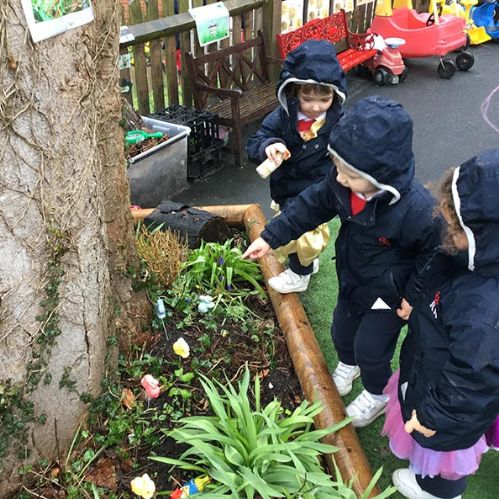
point(219, 268)
point(251, 451)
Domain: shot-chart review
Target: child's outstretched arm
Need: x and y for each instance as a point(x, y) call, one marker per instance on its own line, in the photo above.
point(258, 248)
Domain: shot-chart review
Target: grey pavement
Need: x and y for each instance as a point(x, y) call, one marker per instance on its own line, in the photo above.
point(449, 126)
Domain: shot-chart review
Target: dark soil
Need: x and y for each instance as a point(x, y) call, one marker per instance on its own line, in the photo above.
point(143, 146)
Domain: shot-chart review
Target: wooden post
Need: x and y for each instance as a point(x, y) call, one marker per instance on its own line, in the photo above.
point(185, 46)
point(171, 59)
point(271, 27)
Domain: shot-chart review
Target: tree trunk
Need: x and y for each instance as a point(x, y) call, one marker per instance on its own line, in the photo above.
point(65, 230)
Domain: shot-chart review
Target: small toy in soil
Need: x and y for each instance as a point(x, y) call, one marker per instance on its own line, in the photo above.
point(193, 486)
point(160, 311)
point(205, 304)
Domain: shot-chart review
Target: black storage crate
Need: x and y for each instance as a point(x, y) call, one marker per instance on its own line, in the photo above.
point(204, 151)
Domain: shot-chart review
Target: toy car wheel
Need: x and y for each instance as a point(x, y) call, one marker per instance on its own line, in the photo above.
point(381, 76)
point(464, 61)
point(446, 69)
point(404, 74)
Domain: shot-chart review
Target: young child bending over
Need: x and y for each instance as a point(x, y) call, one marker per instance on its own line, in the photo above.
point(448, 389)
point(311, 90)
point(387, 233)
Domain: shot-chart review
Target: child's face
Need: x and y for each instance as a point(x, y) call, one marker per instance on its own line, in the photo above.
point(454, 231)
point(353, 181)
point(312, 105)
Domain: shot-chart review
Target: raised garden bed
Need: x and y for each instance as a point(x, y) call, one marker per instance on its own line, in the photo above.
point(125, 429)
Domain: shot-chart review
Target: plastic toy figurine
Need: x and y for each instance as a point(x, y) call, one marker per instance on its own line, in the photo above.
point(193, 486)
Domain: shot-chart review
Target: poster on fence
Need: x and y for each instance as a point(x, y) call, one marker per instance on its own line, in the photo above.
point(47, 18)
point(292, 15)
point(346, 5)
point(317, 8)
point(212, 22)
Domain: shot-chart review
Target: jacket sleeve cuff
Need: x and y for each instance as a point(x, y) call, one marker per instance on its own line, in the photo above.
point(269, 238)
point(265, 144)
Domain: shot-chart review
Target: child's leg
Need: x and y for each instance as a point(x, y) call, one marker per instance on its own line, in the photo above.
point(295, 265)
point(440, 487)
point(374, 346)
point(343, 330)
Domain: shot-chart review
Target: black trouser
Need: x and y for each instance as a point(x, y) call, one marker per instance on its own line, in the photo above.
point(367, 340)
point(295, 265)
point(440, 487)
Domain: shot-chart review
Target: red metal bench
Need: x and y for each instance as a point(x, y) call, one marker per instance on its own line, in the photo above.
point(334, 29)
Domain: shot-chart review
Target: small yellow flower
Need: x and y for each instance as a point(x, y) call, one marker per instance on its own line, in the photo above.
point(143, 486)
point(180, 347)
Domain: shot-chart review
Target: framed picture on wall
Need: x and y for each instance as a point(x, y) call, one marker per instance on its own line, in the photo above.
point(46, 18)
point(317, 8)
point(292, 15)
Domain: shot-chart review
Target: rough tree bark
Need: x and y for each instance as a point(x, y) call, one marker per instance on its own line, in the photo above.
point(66, 237)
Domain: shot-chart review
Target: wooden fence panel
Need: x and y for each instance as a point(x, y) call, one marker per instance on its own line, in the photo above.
point(156, 62)
point(154, 24)
point(140, 64)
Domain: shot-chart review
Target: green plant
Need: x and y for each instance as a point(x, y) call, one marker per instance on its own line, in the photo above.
point(260, 451)
point(219, 268)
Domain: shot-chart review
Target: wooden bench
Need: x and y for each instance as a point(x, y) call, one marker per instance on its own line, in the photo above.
point(234, 83)
point(359, 46)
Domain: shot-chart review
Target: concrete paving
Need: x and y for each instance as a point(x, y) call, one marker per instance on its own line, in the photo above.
point(449, 126)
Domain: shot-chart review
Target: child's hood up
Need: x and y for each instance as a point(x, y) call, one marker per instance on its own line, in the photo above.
point(475, 192)
point(314, 61)
point(374, 139)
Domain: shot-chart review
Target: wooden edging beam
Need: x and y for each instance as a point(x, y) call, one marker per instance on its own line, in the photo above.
point(306, 355)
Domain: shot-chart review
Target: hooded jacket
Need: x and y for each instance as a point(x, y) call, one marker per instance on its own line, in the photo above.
point(450, 359)
point(379, 251)
point(314, 61)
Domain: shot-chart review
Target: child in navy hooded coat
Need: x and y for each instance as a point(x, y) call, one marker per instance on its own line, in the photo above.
point(386, 236)
point(448, 390)
point(311, 91)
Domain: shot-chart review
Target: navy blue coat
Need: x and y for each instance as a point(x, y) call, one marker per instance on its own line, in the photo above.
point(379, 252)
point(450, 359)
point(313, 61)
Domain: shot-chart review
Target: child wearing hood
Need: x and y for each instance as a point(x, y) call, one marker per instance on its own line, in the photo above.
point(447, 394)
point(311, 91)
point(386, 237)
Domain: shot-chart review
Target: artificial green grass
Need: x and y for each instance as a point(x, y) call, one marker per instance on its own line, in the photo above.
point(319, 301)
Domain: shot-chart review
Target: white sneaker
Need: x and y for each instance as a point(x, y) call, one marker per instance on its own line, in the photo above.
point(289, 282)
point(316, 265)
point(343, 377)
point(365, 409)
point(405, 482)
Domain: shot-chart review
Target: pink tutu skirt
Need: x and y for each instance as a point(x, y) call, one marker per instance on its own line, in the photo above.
point(426, 462)
point(492, 435)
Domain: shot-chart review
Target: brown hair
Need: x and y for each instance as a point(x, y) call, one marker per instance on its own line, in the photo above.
point(312, 88)
point(446, 201)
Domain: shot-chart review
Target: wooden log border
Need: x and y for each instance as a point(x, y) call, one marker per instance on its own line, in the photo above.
point(306, 355)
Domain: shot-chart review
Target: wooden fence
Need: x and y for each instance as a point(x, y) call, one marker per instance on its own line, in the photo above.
point(160, 39)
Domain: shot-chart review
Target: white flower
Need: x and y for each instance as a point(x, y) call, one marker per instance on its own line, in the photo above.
point(180, 347)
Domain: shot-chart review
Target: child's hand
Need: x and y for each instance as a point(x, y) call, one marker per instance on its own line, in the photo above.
point(414, 424)
point(404, 312)
point(258, 248)
point(277, 152)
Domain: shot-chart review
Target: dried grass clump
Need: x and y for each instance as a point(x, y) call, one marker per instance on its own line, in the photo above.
point(162, 253)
